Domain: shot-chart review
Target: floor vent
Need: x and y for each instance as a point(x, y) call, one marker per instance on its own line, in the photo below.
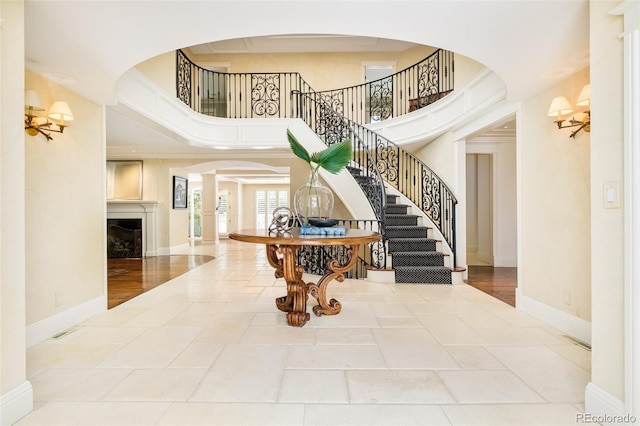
point(64, 333)
point(578, 342)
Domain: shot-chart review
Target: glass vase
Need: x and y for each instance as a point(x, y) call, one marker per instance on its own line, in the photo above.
point(313, 200)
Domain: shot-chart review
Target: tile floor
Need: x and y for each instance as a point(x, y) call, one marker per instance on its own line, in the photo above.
point(210, 348)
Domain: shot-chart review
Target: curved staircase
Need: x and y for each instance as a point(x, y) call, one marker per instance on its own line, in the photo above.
point(414, 255)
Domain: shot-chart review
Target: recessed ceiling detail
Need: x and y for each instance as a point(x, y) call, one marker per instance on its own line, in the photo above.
point(302, 43)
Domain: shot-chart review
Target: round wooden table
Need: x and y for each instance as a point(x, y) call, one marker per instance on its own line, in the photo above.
point(282, 249)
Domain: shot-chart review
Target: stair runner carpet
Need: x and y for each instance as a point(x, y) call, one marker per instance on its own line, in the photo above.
point(415, 258)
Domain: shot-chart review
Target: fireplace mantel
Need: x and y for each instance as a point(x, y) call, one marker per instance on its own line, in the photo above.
point(138, 209)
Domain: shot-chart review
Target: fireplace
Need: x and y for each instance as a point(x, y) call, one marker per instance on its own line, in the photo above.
point(138, 220)
point(124, 238)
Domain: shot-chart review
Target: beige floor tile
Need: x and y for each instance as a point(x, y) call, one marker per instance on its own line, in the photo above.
point(553, 376)
point(158, 315)
point(374, 415)
point(279, 336)
point(314, 386)
point(157, 385)
point(344, 336)
point(396, 387)
point(198, 354)
point(244, 373)
point(416, 350)
point(223, 414)
point(495, 386)
point(155, 348)
point(412, 348)
point(275, 319)
point(575, 353)
point(517, 336)
point(399, 322)
point(511, 415)
point(450, 330)
point(96, 414)
point(115, 317)
point(335, 357)
point(53, 354)
point(197, 314)
point(474, 357)
point(76, 384)
point(382, 309)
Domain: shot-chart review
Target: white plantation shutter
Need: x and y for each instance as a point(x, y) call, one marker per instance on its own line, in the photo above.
point(266, 202)
point(261, 221)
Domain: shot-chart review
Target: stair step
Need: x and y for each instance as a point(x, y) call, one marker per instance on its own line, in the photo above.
point(396, 208)
point(393, 219)
point(423, 274)
point(418, 258)
point(355, 171)
point(392, 199)
point(363, 179)
point(411, 244)
point(395, 231)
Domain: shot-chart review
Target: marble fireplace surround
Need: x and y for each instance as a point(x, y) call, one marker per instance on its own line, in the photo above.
point(139, 209)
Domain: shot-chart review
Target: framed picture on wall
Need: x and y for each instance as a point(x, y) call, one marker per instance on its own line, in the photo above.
point(179, 192)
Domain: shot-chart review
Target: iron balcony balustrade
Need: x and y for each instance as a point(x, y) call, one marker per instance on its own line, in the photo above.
point(267, 95)
point(405, 91)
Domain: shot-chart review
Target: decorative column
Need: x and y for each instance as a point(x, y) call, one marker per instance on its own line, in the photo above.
point(209, 203)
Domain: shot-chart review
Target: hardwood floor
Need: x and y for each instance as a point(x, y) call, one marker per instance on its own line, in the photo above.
point(501, 283)
point(128, 278)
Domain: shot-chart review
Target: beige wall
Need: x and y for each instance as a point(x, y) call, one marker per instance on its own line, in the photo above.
point(65, 207)
point(440, 156)
point(607, 225)
point(555, 205)
point(322, 71)
point(12, 218)
point(249, 202)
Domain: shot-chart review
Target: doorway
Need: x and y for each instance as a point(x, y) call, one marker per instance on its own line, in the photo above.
point(379, 82)
point(479, 210)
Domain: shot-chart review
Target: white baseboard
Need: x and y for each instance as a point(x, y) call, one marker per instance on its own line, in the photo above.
point(570, 324)
point(505, 262)
point(43, 329)
point(182, 248)
point(16, 403)
point(605, 408)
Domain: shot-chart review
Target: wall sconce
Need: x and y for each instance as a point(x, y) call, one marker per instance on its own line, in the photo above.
point(59, 112)
point(560, 106)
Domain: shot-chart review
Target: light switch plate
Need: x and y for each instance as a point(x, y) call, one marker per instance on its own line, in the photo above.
point(611, 195)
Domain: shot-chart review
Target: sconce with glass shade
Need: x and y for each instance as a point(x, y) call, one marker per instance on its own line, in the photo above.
point(560, 106)
point(59, 112)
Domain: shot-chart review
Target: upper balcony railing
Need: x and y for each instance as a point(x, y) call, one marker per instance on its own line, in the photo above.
point(267, 95)
point(408, 90)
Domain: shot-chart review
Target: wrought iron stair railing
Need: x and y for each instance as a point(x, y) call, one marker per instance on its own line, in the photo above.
point(385, 161)
point(337, 115)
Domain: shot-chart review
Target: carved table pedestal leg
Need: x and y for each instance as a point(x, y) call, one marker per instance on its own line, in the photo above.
point(295, 302)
